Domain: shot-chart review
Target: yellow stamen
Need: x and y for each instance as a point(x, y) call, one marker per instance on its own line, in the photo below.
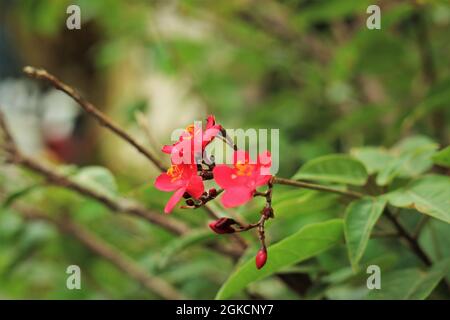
point(175, 172)
point(243, 169)
point(192, 130)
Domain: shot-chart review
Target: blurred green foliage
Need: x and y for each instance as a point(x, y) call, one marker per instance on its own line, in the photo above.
point(310, 68)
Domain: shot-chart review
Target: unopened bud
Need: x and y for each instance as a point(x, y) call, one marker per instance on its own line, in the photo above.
point(261, 258)
point(186, 195)
point(268, 212)
point(212, 192)
point(190, 202)
point(222, 226)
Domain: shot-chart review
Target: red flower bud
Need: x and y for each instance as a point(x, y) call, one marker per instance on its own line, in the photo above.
point(261, 258)
point(212, 192)
point(268, 212)
point(186, 195)
point(222, 226)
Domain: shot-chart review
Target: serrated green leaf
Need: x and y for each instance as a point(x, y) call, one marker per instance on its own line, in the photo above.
point(337, 168)
point(360, 218)
point(306, 243)
point(429, 195)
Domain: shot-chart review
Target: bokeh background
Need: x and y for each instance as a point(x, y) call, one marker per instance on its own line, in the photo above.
point(310, 68)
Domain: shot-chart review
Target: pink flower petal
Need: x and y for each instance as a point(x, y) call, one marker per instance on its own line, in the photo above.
point(224, 176)
point(167, 149)
point(164, 183)
point(262, 180)
point(195, 187)
point(210, 121)
point(209, 135)
point(265, 159)
point(174, 200)
point(234, 197)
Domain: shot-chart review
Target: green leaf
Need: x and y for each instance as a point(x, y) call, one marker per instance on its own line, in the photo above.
point(16, 195)
point(306, 243)
point(412, 284)
point(412, 157)
point(442, 158)
point(329, 10)
point(429, 195)
point(98, 179)
point(360, 218)
point(337, 168)
point(418, 151)
point(373, 158)
point(183, 242)
point(437, 98)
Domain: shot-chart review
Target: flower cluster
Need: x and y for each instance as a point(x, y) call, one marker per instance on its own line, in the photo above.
point(190, 167)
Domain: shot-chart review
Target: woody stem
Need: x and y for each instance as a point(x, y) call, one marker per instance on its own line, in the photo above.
point(318, 187)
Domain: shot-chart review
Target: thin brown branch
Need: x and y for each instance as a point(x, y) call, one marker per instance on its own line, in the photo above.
point(318, 187)
point(105, 250)
point(123, 205)
point(105, 121)
point(400, 229)
point(42, 74)
point(410, 239)
point(422, 222)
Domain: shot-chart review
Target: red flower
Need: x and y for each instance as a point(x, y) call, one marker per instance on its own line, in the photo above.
point(194, 140)
point(241, 180)
point(180, 178)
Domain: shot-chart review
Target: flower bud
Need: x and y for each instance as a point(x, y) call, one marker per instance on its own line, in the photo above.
point(268, 212)
point(186, 195)
point(222, 226)
point(261, 258)
point(212, 192)
point(190, 202)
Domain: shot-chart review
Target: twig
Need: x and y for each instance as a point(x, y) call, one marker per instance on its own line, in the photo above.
point(145, 126)
point(401, 230)
point(318, 187)
point(411, 241)
point(172, 225)
point(203, 201)
point(42, 74)
point(106, 251)
point(423, 221)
